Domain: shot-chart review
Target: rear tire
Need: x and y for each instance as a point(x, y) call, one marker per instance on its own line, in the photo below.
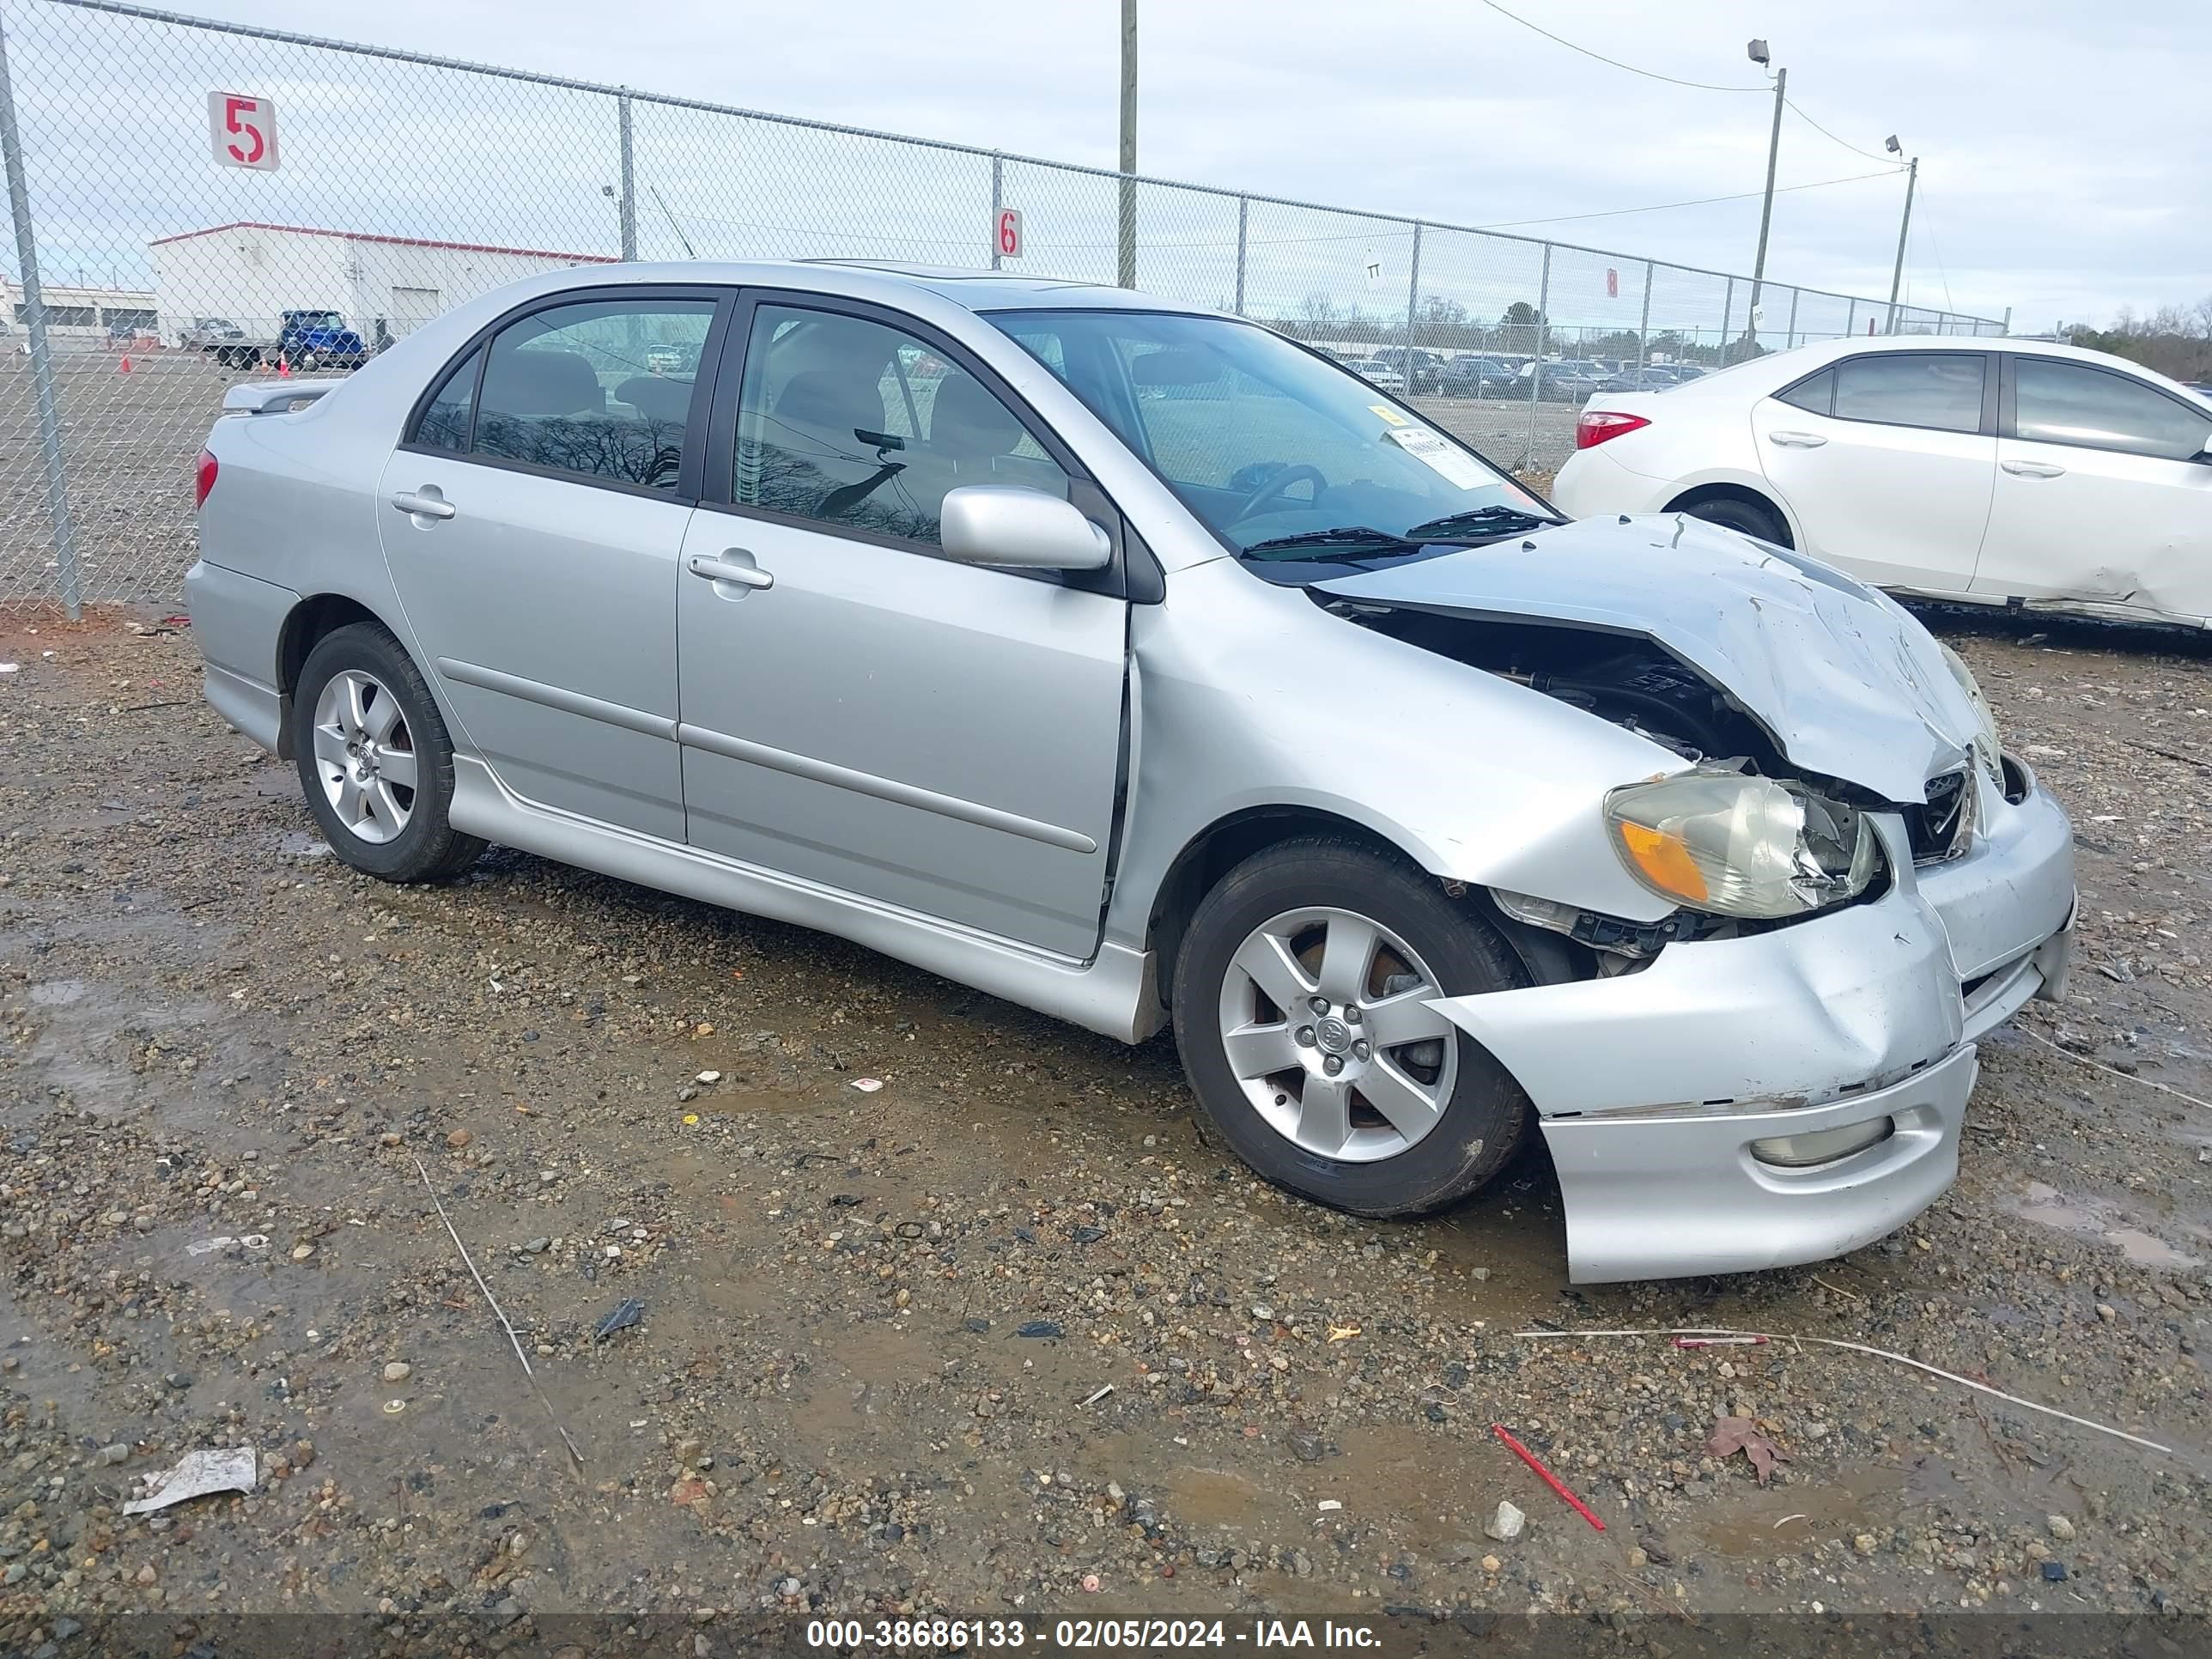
point(375, 762)
point(1749, 516)
point(1443, 1115)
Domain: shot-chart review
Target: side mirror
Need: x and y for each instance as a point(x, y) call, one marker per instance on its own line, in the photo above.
point(1018, 529)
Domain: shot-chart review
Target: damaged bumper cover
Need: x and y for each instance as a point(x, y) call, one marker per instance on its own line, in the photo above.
point(1786, 1096)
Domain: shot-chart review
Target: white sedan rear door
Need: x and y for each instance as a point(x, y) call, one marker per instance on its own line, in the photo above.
point(1887, 460)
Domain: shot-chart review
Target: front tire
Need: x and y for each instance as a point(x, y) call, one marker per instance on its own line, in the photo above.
point(1298, 1008)
point(375, 762)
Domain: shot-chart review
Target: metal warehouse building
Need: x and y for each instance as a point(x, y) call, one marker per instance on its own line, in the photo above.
point(250, 274)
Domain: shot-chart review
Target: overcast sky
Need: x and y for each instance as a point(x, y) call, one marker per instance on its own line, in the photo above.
point(2062, 145)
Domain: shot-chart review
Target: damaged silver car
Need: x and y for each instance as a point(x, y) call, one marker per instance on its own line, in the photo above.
point(1135, 664)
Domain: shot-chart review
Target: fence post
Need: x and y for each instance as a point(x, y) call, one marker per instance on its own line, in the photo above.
point(1793, 294)
point(629, 180)
point(42, 360)
point(1644, 326)
point(1243, 226)
point(1413, 303)
point(998, 204)
point(1851, 322)
point(1727, 318)
point(1536, 364)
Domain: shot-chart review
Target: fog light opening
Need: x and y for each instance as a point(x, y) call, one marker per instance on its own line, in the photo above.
point(1822, 1146)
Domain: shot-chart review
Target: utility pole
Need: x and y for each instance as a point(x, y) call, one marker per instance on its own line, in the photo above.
point(1767, 205)
point(1896, 272)
point(1126, 273)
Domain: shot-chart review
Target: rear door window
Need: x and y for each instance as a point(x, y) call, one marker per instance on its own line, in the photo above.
point(1815, 394)
point(597, 389)
point(1940, 390)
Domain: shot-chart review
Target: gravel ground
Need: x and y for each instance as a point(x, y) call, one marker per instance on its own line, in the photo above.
point(876, 1325)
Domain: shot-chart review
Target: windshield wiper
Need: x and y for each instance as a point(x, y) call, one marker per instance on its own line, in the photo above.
point(1344, 535)
point(1497, 520)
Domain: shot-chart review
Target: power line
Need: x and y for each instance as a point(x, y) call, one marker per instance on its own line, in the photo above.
point(1650, 74)
point(1928, 228)
point(1702, 201)
point(1825, 133)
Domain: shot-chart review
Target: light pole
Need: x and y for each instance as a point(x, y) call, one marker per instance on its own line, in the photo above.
point(1911, 184)
point(1125, 271)
point(1756, 50)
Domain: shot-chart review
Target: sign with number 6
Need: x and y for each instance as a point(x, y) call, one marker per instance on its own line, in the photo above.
point(243, 130)
point(1009, 233)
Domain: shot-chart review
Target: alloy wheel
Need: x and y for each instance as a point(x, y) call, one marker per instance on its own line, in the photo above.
point(365, 755)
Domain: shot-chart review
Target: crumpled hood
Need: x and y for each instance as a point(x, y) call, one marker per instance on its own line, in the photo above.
point(1843, 678)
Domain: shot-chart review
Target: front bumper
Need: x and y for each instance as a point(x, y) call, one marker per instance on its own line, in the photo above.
point(1652, 1086)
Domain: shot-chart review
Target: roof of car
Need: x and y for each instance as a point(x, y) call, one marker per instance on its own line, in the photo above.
point(972, 289)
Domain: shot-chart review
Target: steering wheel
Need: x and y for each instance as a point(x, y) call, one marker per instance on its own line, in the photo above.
point(1277, 483)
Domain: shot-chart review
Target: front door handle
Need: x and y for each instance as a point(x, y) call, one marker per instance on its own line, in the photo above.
point(2033, 469)
point(426, 503)
point(724, 569)
point(1796, 440)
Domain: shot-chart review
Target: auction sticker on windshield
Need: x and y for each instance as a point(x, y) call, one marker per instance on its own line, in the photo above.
point(1390, 416)
point(1433, 451)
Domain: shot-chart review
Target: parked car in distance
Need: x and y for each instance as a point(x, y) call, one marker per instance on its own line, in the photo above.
point(671, 359)
point(1477, 376)
point(319, 339)
point(1647, 379)
point(1420, 370)
point(207, 333)
point(1271, 713)
point(1381, 376)
point(1996, 472)
point(1569, 380)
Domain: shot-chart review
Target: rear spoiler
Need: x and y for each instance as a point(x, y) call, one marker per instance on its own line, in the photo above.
point(275, 397)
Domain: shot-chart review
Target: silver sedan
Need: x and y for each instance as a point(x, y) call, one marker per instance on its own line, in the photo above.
point(1133, 663)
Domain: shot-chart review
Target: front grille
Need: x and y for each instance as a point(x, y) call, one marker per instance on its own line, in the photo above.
point(1943, 827)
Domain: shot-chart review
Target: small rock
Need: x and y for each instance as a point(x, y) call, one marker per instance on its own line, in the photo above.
point(301, 1252)
point(397, 1371)
point(537, 1246)
point(146, 1574)
point(1490, 1564)
point(2059, 1527)
point(460, 1138)
point(1864, 1543)
point(1505, 1526)
point(117, 1453)
point(2107, 1312)
point(2054, 1572)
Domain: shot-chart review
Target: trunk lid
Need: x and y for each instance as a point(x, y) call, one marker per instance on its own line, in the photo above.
point(1845, 680)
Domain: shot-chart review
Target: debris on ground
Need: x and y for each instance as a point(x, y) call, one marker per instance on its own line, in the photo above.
point(1732, 1435)
point(624, 1314)
point(197, 1474)
point(1505, 1525)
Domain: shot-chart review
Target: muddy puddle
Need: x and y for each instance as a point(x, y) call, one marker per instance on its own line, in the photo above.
point(2103, 1219)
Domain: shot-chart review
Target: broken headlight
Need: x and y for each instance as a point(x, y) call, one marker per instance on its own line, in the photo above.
point(1734, 845)
point(1989, 752)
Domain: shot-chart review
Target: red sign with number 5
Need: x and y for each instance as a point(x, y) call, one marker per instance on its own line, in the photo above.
point(1009, 231)
point(243, 130)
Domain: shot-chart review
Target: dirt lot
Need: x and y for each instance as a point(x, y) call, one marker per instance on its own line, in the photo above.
point(876, 1325)
point(129, 439)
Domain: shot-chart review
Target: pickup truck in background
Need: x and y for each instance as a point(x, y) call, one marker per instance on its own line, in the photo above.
point(306, 339)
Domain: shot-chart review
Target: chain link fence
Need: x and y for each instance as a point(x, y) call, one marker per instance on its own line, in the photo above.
point(152, 268)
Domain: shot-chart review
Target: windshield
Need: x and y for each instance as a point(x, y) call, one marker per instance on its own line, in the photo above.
point(1274, 447)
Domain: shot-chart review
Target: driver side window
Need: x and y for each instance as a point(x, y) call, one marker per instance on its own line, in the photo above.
point(852, 424)
point(601, 389)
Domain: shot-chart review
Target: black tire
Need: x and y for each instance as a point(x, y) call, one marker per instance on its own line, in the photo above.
point(1749, 516)
point(428, 848)
point(1487, 1116)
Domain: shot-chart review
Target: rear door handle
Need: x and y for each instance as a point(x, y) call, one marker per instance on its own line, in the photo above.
point(1796, 440)
point(2033, 469)
point(423, 505)
point(721, 568)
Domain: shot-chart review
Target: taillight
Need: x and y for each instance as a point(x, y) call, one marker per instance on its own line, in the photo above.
point(1596, 425)
point(202, 479)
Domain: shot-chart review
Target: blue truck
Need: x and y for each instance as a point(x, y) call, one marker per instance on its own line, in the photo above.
point(306, 339)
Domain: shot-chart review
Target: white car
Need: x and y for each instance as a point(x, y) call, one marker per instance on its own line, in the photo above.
point(2009, 472)
point(1379, 375)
